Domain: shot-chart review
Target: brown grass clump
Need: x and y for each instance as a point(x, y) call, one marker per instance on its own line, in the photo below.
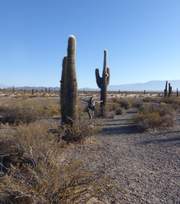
point(173, 101)
point(78, 132)
point(53, 179)
point(153, 116)
point(122, 102)
point(136, 103)
point(27, 110)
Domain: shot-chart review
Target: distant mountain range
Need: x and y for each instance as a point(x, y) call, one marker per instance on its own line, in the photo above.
point(148, 86)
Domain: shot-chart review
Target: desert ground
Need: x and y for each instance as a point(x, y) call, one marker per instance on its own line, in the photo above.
point(113, 161)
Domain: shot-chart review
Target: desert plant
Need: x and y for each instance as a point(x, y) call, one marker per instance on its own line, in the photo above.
point(119, 103)
point(69, 85)
point(32, 92)
point(169, 90)
point(78, 132)
point(26, 110)
point(102, 83)
point(166, 89)
point(118, 111)
point(124, 103)
point(137, 103)
point(52, 179)
point(154, 116)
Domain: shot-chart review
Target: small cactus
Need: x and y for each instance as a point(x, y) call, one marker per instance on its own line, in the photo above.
point(102, 83)
point(69, 85)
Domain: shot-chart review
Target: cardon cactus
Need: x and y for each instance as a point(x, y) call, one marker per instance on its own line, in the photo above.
point(69, 85)
point(166, 89)
point(169, 90)
point(102, 83)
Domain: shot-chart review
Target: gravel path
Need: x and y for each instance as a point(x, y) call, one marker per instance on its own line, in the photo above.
point(143, 167)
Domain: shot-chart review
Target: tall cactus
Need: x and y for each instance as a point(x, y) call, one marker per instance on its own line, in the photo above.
point(69, 84)
point(169, 90)
point(102, 83)
point(166, 89)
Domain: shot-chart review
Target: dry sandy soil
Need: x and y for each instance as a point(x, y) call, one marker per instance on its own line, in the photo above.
point(130, 167)
point(139, 167)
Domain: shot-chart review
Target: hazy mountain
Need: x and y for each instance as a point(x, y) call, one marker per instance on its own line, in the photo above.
point(148, 86)
point(29, 87)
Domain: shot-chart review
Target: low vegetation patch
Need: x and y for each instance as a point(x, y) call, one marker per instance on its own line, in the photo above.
point(122, 102)
point(136, 103)
point(154, 116)
point(27, 110)
point(78, 132)
point(38, 170)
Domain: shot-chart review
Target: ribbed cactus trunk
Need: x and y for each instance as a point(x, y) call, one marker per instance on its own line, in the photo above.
point(169, 90)
point(69, 85)
point(166, 89)
point(102, 83)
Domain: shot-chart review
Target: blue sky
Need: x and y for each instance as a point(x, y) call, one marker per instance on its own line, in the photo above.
point(142, 37)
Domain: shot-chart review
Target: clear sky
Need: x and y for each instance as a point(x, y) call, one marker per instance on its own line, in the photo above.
point(142, 37)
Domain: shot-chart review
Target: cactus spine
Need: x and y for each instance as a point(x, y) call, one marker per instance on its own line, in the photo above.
point(69, 85)
point(102, 83)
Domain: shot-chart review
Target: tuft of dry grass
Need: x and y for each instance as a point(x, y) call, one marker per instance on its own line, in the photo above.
point(54, 179)
point(121, 102)
point(26, 110)
point(153, 116)
point(79, 132)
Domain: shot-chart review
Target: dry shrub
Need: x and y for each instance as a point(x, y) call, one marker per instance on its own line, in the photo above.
point(152, 99)
point(78, 132)
point(173, 101)
point(116, 105)
point(153, 116)
point(112, 106)
point(27, 110)
point(118, 111)
point(136, 103)
point(122, 102)
point(54, 179)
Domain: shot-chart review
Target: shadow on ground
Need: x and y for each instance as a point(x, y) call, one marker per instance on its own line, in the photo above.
point(126, 129)
point(173, 140)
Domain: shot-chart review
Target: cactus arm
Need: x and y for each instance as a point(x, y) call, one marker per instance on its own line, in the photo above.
point(63, 69)
point(105, 60)
point(63, 88)
point(98, 78)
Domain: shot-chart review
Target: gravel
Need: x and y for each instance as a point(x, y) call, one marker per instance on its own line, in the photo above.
point(141, 167)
